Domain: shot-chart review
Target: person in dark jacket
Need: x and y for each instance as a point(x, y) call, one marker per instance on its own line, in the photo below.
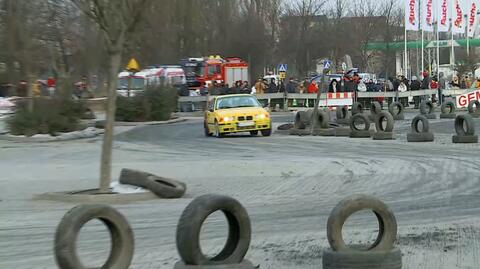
point(272, 87)
point(415, 86)
point(291, 86)
point(426, 81)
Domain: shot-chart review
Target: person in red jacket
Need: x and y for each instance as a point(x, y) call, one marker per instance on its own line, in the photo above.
point(313, 87)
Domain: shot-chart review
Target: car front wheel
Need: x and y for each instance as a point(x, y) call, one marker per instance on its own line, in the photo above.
point(205, 128)
point(267, 132)
point(217, 133)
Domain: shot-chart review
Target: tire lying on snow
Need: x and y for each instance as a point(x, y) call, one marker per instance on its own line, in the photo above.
point(356, 132)
point(323, 120)
point(399, 112)
point(417, 135)
point(162, 187)
point(473, 108)
point(357, 108)
point(348, 206)
point(448, 110)
point(384, 133)
point(302, 120)
point(190, 225)
point(467, 134)
point(122, 245)
point(390, 259)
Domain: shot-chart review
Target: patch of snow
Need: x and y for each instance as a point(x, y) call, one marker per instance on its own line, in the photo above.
point(125, 189)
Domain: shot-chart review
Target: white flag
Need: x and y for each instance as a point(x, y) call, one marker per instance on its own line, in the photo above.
point(458, 17)
point(443, 15)
point(472, 20)
point(427, 15)
point(411, 15)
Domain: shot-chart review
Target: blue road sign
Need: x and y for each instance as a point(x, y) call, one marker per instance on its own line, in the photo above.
point(327, 64)
point(282, 68)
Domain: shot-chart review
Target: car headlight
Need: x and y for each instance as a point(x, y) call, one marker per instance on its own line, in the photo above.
point(262, 116)
point(227, 119)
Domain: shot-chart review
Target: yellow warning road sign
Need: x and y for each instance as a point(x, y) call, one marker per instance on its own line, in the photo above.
point(283, 75)
point(133, 65)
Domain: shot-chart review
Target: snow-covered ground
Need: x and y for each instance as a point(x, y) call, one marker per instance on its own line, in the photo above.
point(287, 184)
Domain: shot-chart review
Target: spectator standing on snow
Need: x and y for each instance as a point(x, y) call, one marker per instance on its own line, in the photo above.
point(291, 86)
point(415, 86)
point(260, 87)
point(426, 81)
point(272, 87)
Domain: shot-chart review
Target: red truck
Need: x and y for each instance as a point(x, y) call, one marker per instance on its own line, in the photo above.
point(203, 71)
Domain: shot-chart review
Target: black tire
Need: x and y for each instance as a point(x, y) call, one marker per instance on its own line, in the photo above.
point(448, 108)
point(465, 139)
point(400, 109)
point(473, 107)
point(415, 124)
point(420, 137)
point(342, 112)
point(122, 249)
point(356, 119)
point(162, 187)
point(190, 224)
point(266, 132)
point(375, 108)
point(217, 133)
point(302, 120)
point(426, 107)
point(357, 108)
point(387, 223)
point(254, 133)
point(379, 120)
point(470, 125)
point(205, 130)
point(323, 120)
point(390, 259)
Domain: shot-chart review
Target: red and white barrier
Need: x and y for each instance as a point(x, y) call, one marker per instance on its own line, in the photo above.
point(464, 100)
point(338, 99)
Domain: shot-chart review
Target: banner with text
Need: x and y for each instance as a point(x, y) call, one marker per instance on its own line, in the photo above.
point(412, 20)
point(443, 15)
point(427, 15)
point(458, 17)
point(472, 17)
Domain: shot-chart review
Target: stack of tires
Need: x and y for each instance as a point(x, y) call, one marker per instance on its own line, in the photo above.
point(465, 129)
point(428, 110)
point(381, 255)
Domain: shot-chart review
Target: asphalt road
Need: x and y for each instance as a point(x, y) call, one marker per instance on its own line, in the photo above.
point(288, 184)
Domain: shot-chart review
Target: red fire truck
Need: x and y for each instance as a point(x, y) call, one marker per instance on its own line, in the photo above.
point(203, 71)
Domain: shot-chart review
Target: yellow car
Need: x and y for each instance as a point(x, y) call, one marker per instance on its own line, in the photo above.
point(236, 113)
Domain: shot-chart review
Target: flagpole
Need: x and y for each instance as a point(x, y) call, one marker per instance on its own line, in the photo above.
point(438, 51)
point(423, 56)
point(405, 53)
point(452, 55)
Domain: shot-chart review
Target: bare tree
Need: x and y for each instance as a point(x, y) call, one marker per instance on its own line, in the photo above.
point(117, 21)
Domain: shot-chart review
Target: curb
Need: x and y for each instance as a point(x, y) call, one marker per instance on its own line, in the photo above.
point(45, 138)
point(126, 123)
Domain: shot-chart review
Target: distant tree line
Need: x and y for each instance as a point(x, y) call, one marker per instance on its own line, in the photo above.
point(41, 38)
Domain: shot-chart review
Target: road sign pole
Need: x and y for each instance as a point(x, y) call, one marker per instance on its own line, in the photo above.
point(326, 69)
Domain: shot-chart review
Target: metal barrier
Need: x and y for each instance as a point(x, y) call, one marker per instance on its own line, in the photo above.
point(196, 102)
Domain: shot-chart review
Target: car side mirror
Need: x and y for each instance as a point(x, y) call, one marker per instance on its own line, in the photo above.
point(211, 110)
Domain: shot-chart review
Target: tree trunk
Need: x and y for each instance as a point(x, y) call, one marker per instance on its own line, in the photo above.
point(106, 161)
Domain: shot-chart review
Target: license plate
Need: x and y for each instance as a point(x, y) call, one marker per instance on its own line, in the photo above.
point(246, 123)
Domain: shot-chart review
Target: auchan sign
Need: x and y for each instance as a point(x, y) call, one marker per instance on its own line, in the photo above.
point(465, 99)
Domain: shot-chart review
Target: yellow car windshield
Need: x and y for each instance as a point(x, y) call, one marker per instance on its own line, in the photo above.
point(237, 101)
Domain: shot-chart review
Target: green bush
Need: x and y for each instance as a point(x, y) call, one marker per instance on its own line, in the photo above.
point(49, 116)
point(153, 104)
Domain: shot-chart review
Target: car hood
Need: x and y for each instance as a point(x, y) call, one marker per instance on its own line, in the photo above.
point(241, 111)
